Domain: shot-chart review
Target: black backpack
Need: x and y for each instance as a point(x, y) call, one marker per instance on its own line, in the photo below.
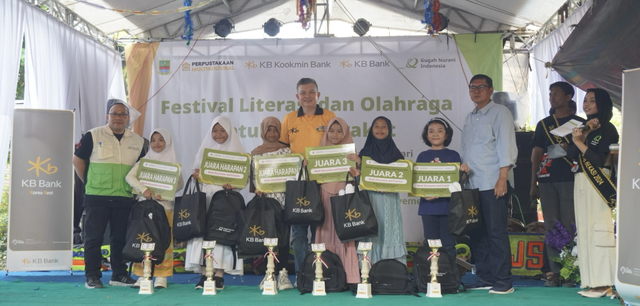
point(222, 223)
point(333, 274)
point(389, 276)
point(448, 273)
point(147, 223)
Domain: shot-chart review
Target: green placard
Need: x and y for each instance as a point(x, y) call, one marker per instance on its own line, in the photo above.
point(160, 177)
point(222, 167)
point(433, 179)
point(329, 164)
point(272, 172)
point(392, 177)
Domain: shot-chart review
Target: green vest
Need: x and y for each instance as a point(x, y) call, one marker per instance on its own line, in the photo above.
point(111, 161)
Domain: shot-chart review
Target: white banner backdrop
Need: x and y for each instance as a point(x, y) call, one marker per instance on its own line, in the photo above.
point(249, 80)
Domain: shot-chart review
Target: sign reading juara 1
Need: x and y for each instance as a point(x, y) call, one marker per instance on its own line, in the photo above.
point(329, 164)
point(222, 167)
point(272, 172)
point(433, 179)
point(160, 177)
point(392, 177)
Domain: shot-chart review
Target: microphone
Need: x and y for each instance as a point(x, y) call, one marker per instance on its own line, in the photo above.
point(585, 127)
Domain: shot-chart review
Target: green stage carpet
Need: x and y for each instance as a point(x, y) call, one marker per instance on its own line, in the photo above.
point(56, 293)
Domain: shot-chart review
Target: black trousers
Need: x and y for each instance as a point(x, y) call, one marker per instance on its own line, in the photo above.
point(96, 218)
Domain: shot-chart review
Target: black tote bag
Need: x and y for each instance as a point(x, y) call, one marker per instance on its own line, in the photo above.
point(283, 230)
point(189, 212)
point(353, 216)
point(464, 209)
point(303, 204)
point(257, 221)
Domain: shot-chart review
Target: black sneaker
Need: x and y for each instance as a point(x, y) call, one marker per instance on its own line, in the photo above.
point(219, 282)
point(200, 283)
point(122, 281)
point(93, 282)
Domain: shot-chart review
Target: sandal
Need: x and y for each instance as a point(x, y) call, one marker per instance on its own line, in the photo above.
point(552, 280)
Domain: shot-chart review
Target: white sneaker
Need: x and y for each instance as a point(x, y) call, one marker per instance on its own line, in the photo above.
point(283, 280)
point(262, 282)
point(137, 284)
point(160, 282)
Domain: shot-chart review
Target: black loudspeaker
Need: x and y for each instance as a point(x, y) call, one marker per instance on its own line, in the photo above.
point(522, 180)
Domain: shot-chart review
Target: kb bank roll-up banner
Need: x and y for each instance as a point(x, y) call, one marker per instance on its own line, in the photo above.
point(627, 246)
point(248, 80)
point(41, 195)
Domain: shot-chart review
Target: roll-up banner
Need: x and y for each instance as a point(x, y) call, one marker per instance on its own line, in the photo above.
point(627, 247)
point(40, 232)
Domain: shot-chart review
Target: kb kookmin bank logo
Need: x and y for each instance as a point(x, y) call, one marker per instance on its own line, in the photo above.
point(39, 166)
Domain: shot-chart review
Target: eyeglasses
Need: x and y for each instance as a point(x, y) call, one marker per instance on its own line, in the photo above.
point(122, 115)
point(479, 87)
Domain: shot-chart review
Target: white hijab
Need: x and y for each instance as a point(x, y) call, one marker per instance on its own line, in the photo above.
point(232, 144)
point(168, 154)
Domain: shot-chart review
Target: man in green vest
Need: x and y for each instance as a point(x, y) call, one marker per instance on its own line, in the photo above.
point(102, 159)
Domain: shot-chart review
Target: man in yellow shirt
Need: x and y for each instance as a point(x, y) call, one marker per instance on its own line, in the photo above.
point(300, 129)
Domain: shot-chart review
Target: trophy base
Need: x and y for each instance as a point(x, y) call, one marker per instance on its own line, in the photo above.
point(364, 291)
point(269, 288)
point(145, 287)
point(433, 290)
point(209, 288)
point(318, 288)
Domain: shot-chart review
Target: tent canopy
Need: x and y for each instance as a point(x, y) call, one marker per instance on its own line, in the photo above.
point(384, 15)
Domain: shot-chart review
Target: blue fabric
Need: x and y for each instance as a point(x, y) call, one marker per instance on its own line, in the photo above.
point(437, 227)
point(381, 150)
point(488, 144)
point(438, 206)
point(490, 244)
point(300, 242)
point(389, 244)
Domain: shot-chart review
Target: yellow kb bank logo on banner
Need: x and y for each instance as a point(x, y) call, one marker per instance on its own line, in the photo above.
point(40, 166)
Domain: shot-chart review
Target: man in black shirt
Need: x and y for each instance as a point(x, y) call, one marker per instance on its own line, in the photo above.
point(552, 172)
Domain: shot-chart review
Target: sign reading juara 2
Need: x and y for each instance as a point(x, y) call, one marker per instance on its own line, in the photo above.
point(391, 177)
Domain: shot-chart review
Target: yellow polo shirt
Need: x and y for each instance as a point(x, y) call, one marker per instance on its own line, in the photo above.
point(300, 131)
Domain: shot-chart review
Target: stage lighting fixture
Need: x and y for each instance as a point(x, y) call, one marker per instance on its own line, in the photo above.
point(444, 22)
point(272, 27)
point(361, 26)
point(223, 27)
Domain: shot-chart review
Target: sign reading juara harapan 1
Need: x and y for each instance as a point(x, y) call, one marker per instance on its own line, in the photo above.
point(273, 172)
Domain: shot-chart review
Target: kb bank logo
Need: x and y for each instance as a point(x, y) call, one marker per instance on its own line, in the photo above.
point(36, 261)
point(39, 166)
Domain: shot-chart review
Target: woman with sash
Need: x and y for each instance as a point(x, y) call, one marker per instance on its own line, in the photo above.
point(389, 244)
point(595, 195)
point(270, 133)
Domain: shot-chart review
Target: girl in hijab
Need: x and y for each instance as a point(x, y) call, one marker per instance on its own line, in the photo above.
point(161, 150)
point(270, 133)
point(337, 134)
point(594, 222)
point(222, 137)
point(390, 242)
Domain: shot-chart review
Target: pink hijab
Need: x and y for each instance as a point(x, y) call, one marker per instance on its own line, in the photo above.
point(334, 188)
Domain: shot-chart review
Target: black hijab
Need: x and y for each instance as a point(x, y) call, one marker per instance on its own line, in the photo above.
point(604, 105)
point(381, 150)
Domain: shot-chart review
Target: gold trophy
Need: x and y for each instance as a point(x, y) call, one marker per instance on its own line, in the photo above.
point(433, 287)
point(318, 284)
point(209, 284)
point(270, 283)
point(364, 288)
point(145, 283)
